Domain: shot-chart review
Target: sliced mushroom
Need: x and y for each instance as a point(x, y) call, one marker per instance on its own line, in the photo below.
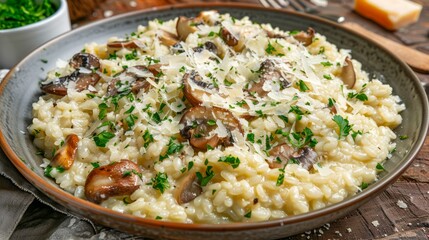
point(187, 189)
point(132, 44)
point(59, 85)
point(229, 38)
point(306, 38)
point(82, 78)
point(194, 95)
point(136, 76)
point(186, 26)
point(200, 125)
point(85, 60)
point(167, 38)
point(116, 179)
point(348, 74)
point(209, 46)
point(306, 157)
point(269, 72)
point(283, 153)
point(64, 157)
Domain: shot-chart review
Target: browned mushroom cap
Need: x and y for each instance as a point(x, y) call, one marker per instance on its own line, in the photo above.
point(59, 85)
point(85, 60)
point(348, 74)
point(116, 179)
point(194, 95)
point(209, 46)
point(228, 37)
point(187, 188)
point(186, 26)
point(283, 153)
point(306, 38)
point(306, 157)
point(199, 123)
point(132, 44)
point(167, 38)
point(82, 78)
point(269, 72)
point(64, 157)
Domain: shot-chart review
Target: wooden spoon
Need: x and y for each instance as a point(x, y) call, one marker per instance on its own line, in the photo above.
point(417, 60)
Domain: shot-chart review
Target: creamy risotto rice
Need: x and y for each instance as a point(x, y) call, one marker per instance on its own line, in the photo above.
point(214, 119)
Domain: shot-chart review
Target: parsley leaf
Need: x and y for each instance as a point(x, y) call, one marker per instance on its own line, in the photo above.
point(248, 215)
point(172, 149)
point(270, 49)
point(379, 167)
point(251, 137)
point(95, 164)
point(209, 175)
point(281, 177)
point(103, 111)
point(343, 124)
point(233, 161)
point(160, 182)
point(326, 64)
point(103, 138)
point(302, 86)
point(148, 138)
point(364, 185)
point(300, 139)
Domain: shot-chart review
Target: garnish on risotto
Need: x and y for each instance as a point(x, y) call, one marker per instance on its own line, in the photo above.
point(214, 119)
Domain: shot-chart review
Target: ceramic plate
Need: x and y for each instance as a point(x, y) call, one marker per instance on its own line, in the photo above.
point(20, 89)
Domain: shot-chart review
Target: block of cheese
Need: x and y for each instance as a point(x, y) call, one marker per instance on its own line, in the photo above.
point(391, 14)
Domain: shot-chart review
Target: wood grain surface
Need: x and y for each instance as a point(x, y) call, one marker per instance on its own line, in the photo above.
point(400, 212)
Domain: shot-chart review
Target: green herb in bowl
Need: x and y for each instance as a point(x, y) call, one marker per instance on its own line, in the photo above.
point(18, 13)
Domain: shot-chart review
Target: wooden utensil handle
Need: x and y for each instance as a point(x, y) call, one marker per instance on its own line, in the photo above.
point(418, 61)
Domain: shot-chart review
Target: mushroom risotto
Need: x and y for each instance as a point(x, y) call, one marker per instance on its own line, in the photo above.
point(214, 119)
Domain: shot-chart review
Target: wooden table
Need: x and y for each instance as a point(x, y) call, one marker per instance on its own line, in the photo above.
point(400, 212)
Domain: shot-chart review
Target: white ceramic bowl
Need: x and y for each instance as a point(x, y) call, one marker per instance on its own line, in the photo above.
point(16, 43)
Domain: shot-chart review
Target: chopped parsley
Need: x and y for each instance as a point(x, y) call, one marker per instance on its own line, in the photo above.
point(130, 110)
point(49, 169)
point(248, 214)
point(173, 148)
point(102, 111)
point(355, 133)
point(270, 49)
point(364, 185)
point(132, 55)
point(233, 161)
point(302, 86)
point(293, 161)
point(251, 137)
point(326, 64)
point(211, 122)
point(148, 138)
point(331, 102)
point(190, 165)
point(403, 137)
point(343, 125)
point(204, 180)
point(281, 177)
point(300, 139)
point(327, 76)
point(95, 164)
point(160, 182)
point(103, 138)
point(130, 120)
point(284, 118)
point(112, 56)
point(379, 167)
